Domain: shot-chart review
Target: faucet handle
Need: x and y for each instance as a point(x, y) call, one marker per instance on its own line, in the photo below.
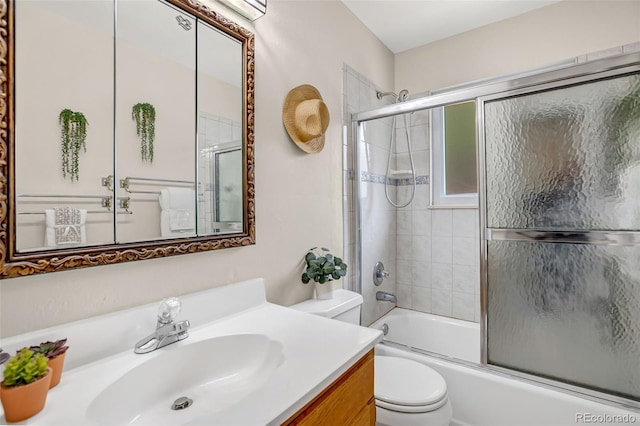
point(168, 310)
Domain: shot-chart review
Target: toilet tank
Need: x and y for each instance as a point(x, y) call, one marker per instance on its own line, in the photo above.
point(343, 305)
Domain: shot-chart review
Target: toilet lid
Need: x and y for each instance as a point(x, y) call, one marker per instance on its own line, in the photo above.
point(401, 381)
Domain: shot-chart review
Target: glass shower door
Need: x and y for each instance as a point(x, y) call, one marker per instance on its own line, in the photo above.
point(562, 233)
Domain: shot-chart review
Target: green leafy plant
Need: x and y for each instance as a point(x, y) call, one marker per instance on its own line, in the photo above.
point(144, 115)
point(51, 349)
point(73, 135)
point(322, 266)
point(24, 368)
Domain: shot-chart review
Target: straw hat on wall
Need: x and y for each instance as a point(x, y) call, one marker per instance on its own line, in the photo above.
point(306, 118)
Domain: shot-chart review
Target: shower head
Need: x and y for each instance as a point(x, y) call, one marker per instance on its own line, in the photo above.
point(401, 97)
point(381, 95)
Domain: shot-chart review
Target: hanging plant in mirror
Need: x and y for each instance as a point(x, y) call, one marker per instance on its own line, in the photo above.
point(144, 115)
point(73, 135)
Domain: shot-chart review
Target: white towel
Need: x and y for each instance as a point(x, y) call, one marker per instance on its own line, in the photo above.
point(173, 198)
point(181, 220)
point(65, 226)
point(178, 212)
point(165, 227)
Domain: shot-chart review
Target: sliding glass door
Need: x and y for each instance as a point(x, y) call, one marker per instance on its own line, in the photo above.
point(561, 217)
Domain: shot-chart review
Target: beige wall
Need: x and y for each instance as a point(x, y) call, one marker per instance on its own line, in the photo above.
point(543, 36)
point(298, 196)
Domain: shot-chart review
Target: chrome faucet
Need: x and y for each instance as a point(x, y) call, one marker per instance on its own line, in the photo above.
point(167, 330)
point(387, 297)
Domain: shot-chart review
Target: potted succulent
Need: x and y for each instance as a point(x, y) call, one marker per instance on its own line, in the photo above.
point(322, 266)
point(26, 382)
point(55, 353)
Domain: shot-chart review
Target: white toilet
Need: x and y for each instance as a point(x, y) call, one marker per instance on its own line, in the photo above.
point(407, 393)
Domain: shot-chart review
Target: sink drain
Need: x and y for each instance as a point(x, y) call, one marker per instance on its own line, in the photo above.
point(181, 403)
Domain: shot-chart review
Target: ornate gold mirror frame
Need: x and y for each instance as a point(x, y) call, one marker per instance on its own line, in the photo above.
point(13, 264)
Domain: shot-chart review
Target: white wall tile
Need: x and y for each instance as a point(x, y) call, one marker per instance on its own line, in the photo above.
point(441, 276)
point(421, 273)
point(404, 296)
point(421, 299)
point(405, 222)
point(465, 279)
point(421, 222)
point(403, 196)
point(421, 162)
point(442, 222)
point(420, 137)
point(441, 249)
point(465, 223)
point(441, 302)
point(365, 96)
point(404, 272)
point(421, 247)
point(421, 199)
point(403, 248)
point(463, 306)
point(420, 118)
point(464, 251)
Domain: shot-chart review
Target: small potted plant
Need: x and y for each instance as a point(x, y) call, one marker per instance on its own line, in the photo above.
point(55, 352)
point(322, 266)
point(23, 391)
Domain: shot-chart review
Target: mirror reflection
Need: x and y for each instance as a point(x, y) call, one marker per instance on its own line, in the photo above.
point(219, 132)
point(156, 118)
point(64, 123)
point(138, 128)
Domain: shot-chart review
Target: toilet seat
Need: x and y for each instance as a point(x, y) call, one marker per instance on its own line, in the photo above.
point(407, 386)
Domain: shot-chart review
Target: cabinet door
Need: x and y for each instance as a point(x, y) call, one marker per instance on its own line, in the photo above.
point(155, 120)
point(72, 98)
point(347, 401)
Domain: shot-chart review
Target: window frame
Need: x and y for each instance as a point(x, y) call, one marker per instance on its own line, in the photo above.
point(438, 197)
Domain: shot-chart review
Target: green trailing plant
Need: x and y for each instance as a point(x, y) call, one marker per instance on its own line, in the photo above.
point(144, 115)
point(73, 135)
point(51, 349)
point(322, 266)
point(24, 368)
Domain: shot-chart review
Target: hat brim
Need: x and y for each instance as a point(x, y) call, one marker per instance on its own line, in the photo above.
point(312, 146)
point(294, 97)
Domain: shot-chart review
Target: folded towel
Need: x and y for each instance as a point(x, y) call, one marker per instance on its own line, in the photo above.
point(65, 226)
point(178, 211)
point(165, 227)
point(181, 220)
point(173, 198)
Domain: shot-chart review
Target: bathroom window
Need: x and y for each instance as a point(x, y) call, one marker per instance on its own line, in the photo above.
point(454, 177)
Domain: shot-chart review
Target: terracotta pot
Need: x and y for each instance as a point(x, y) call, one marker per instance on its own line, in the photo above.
point(56, 364)
point(22, 402)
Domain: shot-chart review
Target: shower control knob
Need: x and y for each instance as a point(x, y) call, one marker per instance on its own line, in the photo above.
point(379, 274)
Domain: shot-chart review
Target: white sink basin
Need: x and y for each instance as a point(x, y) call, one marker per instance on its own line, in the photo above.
point(217, 374)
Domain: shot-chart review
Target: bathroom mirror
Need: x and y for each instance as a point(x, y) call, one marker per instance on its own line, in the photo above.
point(128, 132)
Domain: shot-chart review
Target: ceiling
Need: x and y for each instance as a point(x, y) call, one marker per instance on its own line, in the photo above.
point(404, 24)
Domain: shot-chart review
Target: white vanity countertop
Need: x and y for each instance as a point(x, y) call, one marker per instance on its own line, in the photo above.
point(315, 350)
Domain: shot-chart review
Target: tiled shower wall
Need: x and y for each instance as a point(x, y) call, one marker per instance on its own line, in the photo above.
point(378, 218)
point(438, 261)
point(437, 249)
point(432, 254)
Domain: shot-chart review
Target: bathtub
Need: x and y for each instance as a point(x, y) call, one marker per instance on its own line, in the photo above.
point(480, 396)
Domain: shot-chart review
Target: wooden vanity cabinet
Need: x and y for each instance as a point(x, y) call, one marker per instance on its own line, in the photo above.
point(347, 401)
